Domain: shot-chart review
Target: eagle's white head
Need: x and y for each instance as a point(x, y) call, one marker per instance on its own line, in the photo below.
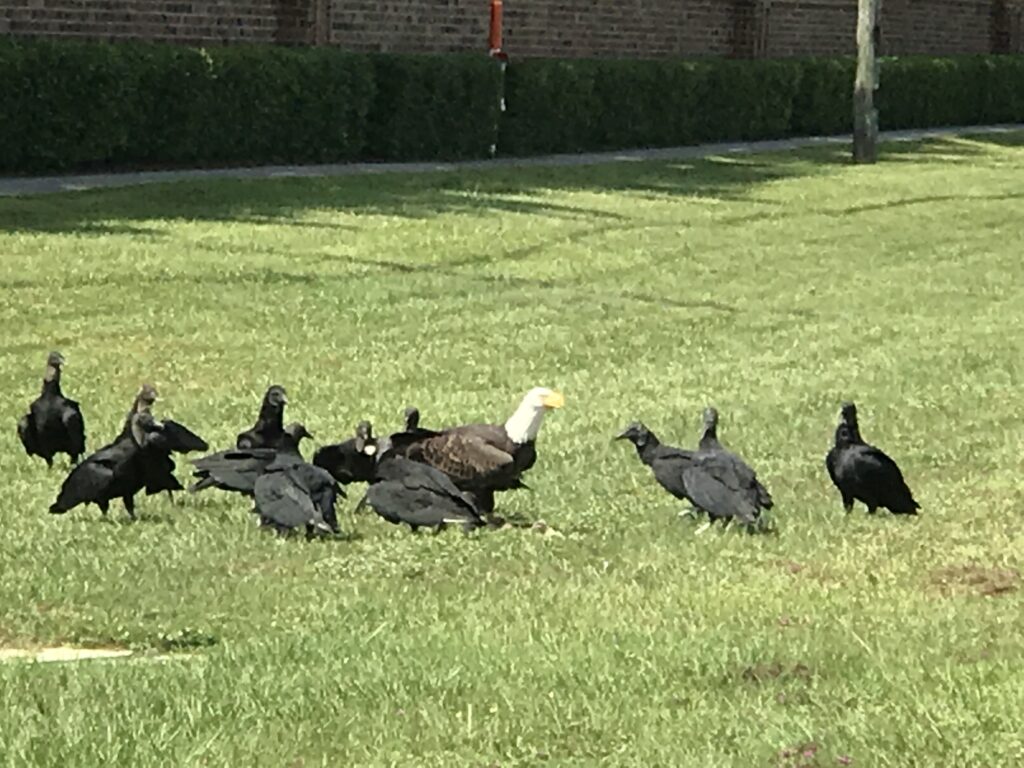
point(524, 424)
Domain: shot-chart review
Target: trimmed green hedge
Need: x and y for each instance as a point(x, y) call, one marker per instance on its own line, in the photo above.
point(434, 107)
point(66, 105)
point(587, 105)
point(78, 105)
point(921, 92)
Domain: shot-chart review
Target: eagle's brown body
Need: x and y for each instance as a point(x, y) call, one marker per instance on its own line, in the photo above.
point(480, 459)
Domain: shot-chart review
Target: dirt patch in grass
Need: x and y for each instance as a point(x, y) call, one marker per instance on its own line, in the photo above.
point(975, 579)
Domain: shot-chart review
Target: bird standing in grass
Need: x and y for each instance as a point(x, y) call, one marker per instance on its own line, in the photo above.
point(292, 493)
point(352, 460)
point(236, 470)
point(269, 427)
point(865, 473)
point(158, 439)
point(710, 481)
point(482, 459)
point(54, 423)
point(138, 458)
point(411, 492)
point(745, 475)
point(115, 471)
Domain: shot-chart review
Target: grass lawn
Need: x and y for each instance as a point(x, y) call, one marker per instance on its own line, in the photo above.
point(772, 286)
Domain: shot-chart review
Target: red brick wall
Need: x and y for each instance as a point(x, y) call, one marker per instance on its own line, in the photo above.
point(620, 28)
point(434, 26)
point(175, 20)
point(821, 27)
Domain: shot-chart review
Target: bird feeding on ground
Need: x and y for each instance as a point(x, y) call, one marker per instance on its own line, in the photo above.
point(482, 459)
point(710, 481)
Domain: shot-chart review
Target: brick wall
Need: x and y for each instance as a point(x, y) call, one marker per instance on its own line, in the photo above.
point(213, 21)
point(620, 28)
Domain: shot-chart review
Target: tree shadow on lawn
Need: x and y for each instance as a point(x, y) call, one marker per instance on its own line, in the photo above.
point(414, 196)
point(967, 148)
point(500, 189)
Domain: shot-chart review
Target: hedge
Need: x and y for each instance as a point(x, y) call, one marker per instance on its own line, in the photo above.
point(79, 105)
point(587, 105)
point(434, 107)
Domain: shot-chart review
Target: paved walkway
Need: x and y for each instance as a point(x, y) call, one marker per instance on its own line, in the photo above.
point(40, 185)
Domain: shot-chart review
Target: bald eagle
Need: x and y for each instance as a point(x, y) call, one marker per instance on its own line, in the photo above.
point(481, 459)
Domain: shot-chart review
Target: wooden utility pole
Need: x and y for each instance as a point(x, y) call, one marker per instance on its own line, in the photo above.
point(865, 116)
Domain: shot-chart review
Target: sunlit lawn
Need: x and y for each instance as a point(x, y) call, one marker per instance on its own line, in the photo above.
point(773, 287)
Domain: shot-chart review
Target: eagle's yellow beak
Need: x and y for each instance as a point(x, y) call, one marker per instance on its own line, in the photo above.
point(553, 400)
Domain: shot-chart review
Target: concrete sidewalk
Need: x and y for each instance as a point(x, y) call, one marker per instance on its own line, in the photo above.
point(41, 185)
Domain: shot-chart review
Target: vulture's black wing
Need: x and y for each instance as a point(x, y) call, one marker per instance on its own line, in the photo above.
point(181, 439)
point(877, 476)
point(27, 434)
point(668, 467)
point(421, 496)
point(232, 470)
point(830, 464)
point(714, 485)
point(322, 489)
point(74, 429)
point(297, 496)
point(161, 439)
point(106, 474)
point(742, 475)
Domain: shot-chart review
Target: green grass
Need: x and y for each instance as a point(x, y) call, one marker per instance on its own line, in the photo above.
point(773, 286)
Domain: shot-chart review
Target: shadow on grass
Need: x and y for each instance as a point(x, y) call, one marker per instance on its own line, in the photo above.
point(965, 148)
point(508, 190)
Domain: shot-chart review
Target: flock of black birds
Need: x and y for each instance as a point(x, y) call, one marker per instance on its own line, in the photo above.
point(722, 485)
point(421, 477)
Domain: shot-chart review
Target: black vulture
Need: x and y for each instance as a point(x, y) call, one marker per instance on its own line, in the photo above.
point(747, 477)
point(158, 440)
point(411, 492)
point(412, 418)
point(54, 423)
point(115, 471)
point(112, 472)
point(352, 460)
point(709, 437)
point(291, 493)
point(709, 481)
point(482, 458)
point(269, 427)
point(865, 473)
point(410, 433)
point(236, 470)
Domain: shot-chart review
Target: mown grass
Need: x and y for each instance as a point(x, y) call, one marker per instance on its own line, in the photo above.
point(772, 286)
